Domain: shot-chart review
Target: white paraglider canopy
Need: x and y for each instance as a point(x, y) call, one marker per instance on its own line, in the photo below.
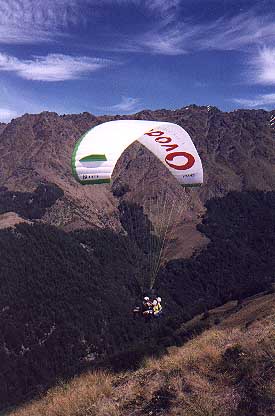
point(98, 150)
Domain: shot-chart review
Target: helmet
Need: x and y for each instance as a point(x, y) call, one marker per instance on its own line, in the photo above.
point(146, 298)
point(155, 302)
point(159, 299)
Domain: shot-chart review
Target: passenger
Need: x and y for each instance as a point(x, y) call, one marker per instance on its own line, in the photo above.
point(157, 308)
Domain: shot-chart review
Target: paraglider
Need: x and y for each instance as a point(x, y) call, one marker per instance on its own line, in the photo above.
point(150, 308)
point(95, 156)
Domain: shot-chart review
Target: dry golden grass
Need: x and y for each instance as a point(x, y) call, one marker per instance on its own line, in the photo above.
point(80, 397)
point(225, 371)
point(252, 309)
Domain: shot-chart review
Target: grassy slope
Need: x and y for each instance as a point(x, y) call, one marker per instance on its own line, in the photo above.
point(227, 370)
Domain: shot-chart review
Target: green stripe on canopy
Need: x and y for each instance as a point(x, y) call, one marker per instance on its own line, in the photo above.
point(93, 158)
point(94, 181)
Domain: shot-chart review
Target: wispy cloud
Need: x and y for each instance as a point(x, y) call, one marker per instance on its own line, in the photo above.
point(240, 32)
point(53, 67)
point(170, 32)
point(7, 114)
point(169, 42)
point(163, 8)
point(28, 21)
point(166, 9)
point(264, 100)
point(126, 105)
point(32, 21)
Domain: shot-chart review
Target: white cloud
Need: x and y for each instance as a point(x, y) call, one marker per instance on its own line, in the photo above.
point(263, 67)
point(264, 100)
point(53, 67)
point(126, 105)
point(6, 115)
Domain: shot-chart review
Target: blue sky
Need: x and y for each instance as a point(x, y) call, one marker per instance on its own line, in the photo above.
point(122, 56)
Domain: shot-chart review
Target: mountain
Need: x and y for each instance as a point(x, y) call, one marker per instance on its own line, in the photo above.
point(74, 259)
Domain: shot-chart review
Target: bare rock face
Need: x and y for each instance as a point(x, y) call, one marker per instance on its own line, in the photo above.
point(10, 219)
point(237, 151)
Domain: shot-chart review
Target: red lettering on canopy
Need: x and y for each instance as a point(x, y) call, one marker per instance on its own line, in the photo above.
point(155, 133)
point(170, 157)
point(167, 139)
point(170, 147)
point(190, 160)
